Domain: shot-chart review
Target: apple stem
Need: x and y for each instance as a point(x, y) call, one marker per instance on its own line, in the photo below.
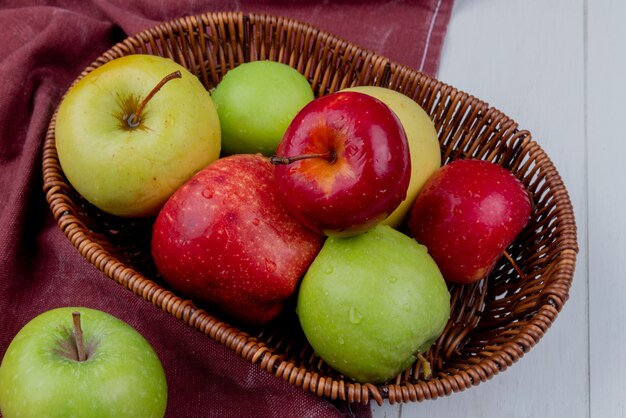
point(428, 373)
point(514, 264)
point(276, 160)
point(78, 337)
point(134, 119)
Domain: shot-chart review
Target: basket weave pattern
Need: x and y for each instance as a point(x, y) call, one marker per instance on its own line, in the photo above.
point(493, 322)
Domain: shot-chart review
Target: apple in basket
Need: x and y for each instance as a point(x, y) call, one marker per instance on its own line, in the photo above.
point(372, 304)
point(467, 214)
point(256, 101)
point(225, 239)
point(343, 164)
point(133, 130)
point(70, 362)
point(423, 144)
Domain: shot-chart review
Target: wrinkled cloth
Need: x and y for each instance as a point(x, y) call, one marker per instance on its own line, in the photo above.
point(45, 45)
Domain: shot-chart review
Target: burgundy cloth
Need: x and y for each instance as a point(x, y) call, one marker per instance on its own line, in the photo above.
point(44, 47)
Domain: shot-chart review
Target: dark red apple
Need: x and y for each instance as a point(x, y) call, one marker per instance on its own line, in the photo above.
point(224, 238)
point(467, 214)
point(343, 164)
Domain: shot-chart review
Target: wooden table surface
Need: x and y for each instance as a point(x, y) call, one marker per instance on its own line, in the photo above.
point(558, 68)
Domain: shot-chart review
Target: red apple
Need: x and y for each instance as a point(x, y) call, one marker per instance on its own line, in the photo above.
point(467, 214)
point(343, 164)
point(224, 238)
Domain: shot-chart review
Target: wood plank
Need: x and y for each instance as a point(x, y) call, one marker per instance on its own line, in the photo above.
point(606, 89)
point(526, 58)
point(386, 410)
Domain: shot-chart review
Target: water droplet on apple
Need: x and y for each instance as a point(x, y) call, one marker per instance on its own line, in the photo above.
point(270, 266)
point(393, 279)
point(329, 269)
point(354, 315)
point(341, 341)
point(382, 191)
point(256, 221)
point(207, 193)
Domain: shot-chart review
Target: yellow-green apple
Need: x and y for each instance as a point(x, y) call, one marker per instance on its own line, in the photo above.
point(343, 164)
point(133, 130)
point(423, 144)
point(224, 238)
point(371, 304)
point(80, 362)
point(255, 102)
point(467, 214)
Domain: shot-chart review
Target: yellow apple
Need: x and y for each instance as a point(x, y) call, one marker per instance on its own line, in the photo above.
point(129, 166)
point(423, 143)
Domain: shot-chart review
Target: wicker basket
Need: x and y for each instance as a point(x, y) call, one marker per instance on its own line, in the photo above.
point(493, 322)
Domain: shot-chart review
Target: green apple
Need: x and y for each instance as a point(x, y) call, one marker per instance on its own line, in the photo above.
point(117, 375)
point(423, 143)
point(129, 165)
point(369, 305)
point(256, 101)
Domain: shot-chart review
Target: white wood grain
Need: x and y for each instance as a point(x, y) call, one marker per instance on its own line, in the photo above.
point(386, 410)
point(526, 57)
point(606, 90)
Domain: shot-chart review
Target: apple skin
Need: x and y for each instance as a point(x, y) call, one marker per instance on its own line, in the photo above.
point(131, 172)
point(224, 238)
point(365, 179)
point(423, 144)
point(467, 214)
point(369, 303)
point(255, 102)
point(122, 376)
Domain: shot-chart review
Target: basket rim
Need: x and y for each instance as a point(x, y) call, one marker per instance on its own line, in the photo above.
point(254, 350)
